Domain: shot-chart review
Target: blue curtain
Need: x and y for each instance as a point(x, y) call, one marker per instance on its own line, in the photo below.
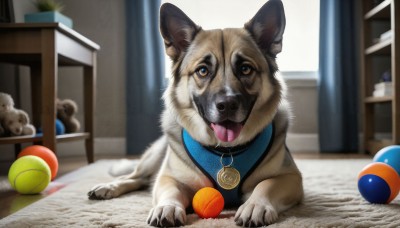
point(145, 74)
point(338, 77)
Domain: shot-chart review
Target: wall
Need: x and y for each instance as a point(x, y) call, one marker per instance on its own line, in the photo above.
point(103, 21)
point(303, 130)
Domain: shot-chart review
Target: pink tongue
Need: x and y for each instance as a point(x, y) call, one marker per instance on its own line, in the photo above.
point(227, 132)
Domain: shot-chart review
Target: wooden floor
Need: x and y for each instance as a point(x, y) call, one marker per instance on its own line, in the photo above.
point(11, 201)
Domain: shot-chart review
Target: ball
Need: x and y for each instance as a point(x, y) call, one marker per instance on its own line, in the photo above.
point(208, 202)
point(60, 128)
point(44, 153)
point(389, 155)
point(378, 183)
point(29, 175)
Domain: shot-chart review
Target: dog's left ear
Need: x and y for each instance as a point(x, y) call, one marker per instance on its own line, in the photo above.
point(267, 27)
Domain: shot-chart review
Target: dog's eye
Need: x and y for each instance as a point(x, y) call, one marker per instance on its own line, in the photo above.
point(202, 71)
point(246, 69)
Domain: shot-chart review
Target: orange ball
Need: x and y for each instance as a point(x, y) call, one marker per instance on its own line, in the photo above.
point(44, 153)
point(208, 202)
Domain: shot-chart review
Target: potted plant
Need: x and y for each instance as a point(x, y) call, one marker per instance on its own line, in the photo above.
point(49, 11)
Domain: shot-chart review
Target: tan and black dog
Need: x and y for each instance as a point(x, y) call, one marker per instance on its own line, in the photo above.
point(225, 123)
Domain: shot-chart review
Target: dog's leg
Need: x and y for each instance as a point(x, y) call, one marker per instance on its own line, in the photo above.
point(171, 198)
point(269, 198)
point(172, 192)
point(148, 165)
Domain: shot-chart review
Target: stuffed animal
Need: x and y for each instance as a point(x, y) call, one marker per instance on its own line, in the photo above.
point(6, 104)
point(16, 122)
point(66, 110)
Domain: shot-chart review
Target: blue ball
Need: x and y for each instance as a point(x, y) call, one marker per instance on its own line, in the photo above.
point(389, 155)
point(374, 189)
point(60, 128)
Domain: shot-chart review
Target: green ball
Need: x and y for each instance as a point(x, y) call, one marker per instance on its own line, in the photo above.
point(29, 175)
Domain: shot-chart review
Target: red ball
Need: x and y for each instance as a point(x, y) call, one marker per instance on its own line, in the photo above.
point(44, 153)
point(208, 202)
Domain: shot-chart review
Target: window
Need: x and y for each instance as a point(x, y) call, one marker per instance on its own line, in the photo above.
point(299, 56)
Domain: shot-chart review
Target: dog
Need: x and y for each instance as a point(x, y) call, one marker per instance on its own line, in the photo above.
point(225, 123)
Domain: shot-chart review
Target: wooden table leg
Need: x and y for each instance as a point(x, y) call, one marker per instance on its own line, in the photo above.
point(49, 88)
point(17, 149)
point(89, 106)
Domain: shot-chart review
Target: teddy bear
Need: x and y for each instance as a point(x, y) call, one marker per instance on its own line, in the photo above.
point(6, 104)
point(66, 110)
point(16, 123)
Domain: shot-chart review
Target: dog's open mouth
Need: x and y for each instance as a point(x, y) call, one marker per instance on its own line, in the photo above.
point(227, 131)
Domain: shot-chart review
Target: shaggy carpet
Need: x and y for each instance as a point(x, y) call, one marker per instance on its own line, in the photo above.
point(331, 200)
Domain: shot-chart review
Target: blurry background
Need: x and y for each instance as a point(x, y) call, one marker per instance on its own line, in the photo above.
point(132, 74)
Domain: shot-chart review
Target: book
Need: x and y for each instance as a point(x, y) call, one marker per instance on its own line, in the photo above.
point(383, 89)
point(382, 93)
point(383, 85)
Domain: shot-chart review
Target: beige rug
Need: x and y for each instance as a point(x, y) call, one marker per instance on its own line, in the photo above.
point(331, 200)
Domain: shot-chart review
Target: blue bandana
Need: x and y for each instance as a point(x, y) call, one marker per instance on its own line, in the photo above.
point(245, 160)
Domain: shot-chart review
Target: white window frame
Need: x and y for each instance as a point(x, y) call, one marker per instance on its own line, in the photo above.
point(300, 55)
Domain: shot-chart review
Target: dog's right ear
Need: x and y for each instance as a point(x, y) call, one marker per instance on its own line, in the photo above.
point(177, 30)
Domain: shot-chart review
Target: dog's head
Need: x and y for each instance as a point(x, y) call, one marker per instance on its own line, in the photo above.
point(14, 121)
point(224, 90)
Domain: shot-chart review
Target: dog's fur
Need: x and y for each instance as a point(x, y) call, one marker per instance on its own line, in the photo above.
point(223, 92)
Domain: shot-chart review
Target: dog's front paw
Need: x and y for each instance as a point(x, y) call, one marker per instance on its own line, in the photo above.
point(103, 191)
point(167, 216)
point(255, 214)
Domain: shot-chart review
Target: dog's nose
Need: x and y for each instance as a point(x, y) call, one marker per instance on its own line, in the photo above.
point(226, 104)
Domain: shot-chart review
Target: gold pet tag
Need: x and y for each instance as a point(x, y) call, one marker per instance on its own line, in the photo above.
point(228, 177)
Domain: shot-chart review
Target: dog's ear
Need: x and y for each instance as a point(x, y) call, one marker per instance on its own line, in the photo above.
point(267, 27)
point(23, 117)
point(177, 30)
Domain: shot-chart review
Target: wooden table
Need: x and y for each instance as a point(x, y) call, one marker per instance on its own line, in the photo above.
point(44, 47)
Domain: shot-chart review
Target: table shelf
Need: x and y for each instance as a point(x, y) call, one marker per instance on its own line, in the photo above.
point(44, 47)
point(38, 139)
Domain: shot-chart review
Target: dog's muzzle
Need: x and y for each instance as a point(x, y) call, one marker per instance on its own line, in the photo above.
point(225, 113)
point(229, 124)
